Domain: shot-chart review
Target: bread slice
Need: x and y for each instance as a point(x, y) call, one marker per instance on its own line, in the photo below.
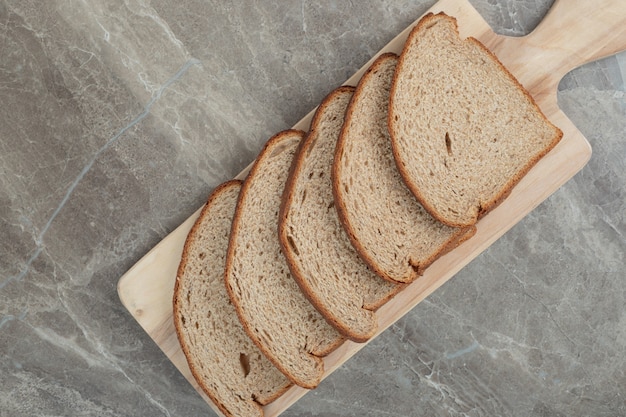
point(229, 368)
point(273, 310)
point(388, 227)
point(463, 130)
point(318, 251)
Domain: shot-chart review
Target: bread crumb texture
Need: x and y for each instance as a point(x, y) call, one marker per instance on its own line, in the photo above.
point(273, 310)
point(320, 254)
point(224, 361)
point(388, 226)
point(463, 130)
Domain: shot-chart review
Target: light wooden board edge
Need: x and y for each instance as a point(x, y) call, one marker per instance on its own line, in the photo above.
point(146, 289)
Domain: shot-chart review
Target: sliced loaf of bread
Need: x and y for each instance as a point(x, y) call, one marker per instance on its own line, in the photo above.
point(389, 228)
point(318, 251)
point(463, 129)
point(274, 312)
point(229, 368)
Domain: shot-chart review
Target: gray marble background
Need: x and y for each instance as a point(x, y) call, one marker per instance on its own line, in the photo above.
point(118, 118)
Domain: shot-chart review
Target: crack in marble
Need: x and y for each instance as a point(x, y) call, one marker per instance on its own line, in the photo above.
point(500, 337)
point(66, 344)
point(100, 357)
point(535, 299)
point(39, 238)
point(145, 12)
point(107, 35)
point(461, 352)
point(48, 335)
point(461, 401)
point(364, 409)
point(607, 221)
point(9, 318)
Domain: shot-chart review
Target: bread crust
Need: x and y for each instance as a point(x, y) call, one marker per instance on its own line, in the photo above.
point(176, 306)
point(465, 229)
point(483, 207)
point(274, 141)
point(508, 188)
point(416, 269)
point(288, 197)
point(339, 149)
point(185, 258)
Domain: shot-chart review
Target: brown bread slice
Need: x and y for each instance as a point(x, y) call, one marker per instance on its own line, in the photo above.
point(463, 130)
point(318, 251)
point(389, 228)
point(274, 312)
point(229, 368)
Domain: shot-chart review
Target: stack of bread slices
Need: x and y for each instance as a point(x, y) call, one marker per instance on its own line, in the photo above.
point(330, 224)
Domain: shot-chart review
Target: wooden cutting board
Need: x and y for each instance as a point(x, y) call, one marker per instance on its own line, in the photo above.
point(573, 32)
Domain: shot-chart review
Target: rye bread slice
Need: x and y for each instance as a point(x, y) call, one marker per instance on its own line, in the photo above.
point(228, 367)
point(321, 259)
point(385, 223)
point(463, 130)
point(274, 312)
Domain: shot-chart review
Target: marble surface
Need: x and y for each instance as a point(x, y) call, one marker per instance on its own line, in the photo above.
point(119, 117)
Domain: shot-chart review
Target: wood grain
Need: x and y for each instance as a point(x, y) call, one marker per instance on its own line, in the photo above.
point(573, 32)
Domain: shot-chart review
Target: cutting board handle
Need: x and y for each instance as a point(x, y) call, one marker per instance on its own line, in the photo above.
point(575, 32)
point(572, 33)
